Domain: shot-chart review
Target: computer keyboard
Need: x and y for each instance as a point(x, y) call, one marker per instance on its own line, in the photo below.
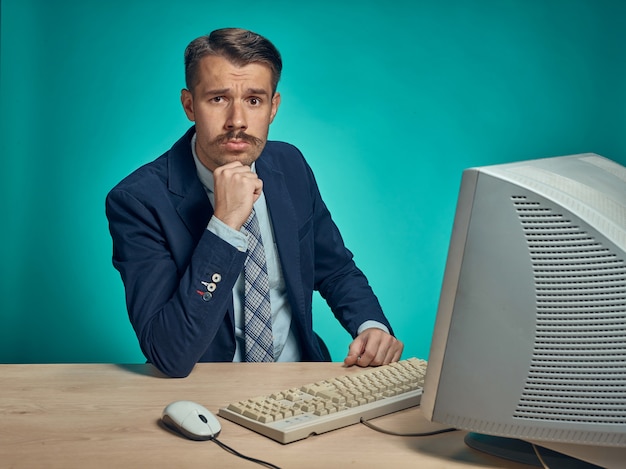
point(296, 413)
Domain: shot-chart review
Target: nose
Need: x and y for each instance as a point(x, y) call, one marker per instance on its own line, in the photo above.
point(236, 117)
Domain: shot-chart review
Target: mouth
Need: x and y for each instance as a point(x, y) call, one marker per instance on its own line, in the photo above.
point(236, 144)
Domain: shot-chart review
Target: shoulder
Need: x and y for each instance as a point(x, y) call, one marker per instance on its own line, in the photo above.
point(284, 157)
point(277, 149)
point(143, 180)
point(157, 173)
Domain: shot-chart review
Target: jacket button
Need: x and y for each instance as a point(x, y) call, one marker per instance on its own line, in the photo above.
point(206, 296)
point(217, 278)
point(211, 287)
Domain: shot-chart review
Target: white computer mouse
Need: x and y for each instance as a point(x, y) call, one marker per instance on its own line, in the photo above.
point(192, 420)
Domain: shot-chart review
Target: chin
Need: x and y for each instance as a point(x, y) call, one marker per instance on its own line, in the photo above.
point(244, 158)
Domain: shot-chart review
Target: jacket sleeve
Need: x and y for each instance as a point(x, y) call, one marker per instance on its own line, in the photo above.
point(342, 284)
point(167, 277)
point(337, 278)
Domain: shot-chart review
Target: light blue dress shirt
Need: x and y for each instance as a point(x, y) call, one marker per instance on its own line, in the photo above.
point(286, 347)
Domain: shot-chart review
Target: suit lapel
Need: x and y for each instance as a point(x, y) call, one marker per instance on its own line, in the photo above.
point(285, 225)
point(194, 207)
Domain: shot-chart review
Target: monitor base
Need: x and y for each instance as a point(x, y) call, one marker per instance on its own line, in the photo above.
point(522, 452)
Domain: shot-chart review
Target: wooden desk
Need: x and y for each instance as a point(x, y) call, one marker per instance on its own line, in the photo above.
point(103, 415)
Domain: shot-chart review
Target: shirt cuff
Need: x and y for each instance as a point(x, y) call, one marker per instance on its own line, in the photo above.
point(235, 238)
point(369, 324)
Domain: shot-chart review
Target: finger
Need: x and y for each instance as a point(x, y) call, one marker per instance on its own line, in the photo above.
point(233, 165)
point(258, 189)
point(370, 352)
point(393, 351)
point(399, 350)
point(354, 351)
point(382, 348)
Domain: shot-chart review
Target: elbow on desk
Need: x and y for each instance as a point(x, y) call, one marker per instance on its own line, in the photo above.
point(171, 368)
point(168, 359)
point(177, 373)
point(172, 372)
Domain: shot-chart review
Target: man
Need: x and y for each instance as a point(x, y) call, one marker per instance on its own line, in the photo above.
point(180, 230)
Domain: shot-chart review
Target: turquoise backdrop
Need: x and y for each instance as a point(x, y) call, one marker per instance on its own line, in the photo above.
point(389, 101)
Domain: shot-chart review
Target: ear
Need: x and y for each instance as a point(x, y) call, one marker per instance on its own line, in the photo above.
point(186, 100)
point(275, 104)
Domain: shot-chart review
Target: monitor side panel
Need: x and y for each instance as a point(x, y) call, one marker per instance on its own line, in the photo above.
point(518, 354)
point(484, 313)
point(443, 319)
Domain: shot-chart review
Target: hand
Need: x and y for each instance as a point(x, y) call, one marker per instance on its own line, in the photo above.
point(374, 347)
point(236, 190)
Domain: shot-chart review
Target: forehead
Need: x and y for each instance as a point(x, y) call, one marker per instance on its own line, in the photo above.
point(218, 72)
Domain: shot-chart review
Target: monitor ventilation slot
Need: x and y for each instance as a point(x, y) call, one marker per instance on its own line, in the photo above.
point(580, 341)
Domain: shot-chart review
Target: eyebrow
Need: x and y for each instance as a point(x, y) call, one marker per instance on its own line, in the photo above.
point(257, 91)
point(217, 92)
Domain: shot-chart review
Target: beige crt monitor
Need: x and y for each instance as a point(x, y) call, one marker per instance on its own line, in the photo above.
point(530, 336)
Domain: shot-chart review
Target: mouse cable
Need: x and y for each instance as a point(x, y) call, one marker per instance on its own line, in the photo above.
point(227, 448)
point(368, 424)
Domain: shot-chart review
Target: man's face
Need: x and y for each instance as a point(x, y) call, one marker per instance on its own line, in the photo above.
point(232, 108)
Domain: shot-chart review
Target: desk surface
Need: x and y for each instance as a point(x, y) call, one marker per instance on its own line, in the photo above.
point(104, 415)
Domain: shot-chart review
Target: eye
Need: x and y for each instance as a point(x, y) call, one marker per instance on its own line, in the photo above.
point(217, 99)
point(254, 101)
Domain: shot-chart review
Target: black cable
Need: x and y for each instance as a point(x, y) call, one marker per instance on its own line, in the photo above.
point(225, 447)
point(389, 432)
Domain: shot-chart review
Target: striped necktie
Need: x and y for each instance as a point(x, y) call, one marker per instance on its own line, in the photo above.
point(258, 317)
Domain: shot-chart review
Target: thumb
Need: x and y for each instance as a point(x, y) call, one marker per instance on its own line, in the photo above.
point(354, 351)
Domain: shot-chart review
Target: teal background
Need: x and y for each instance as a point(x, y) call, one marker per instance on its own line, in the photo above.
point(389, 101)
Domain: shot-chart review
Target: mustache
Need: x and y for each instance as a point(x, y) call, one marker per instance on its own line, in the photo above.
point(239, 135)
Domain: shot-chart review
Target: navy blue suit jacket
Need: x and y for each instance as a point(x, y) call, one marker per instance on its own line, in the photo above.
point(163, 251)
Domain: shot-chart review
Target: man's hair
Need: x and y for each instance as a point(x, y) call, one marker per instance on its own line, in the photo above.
point(238, 46)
